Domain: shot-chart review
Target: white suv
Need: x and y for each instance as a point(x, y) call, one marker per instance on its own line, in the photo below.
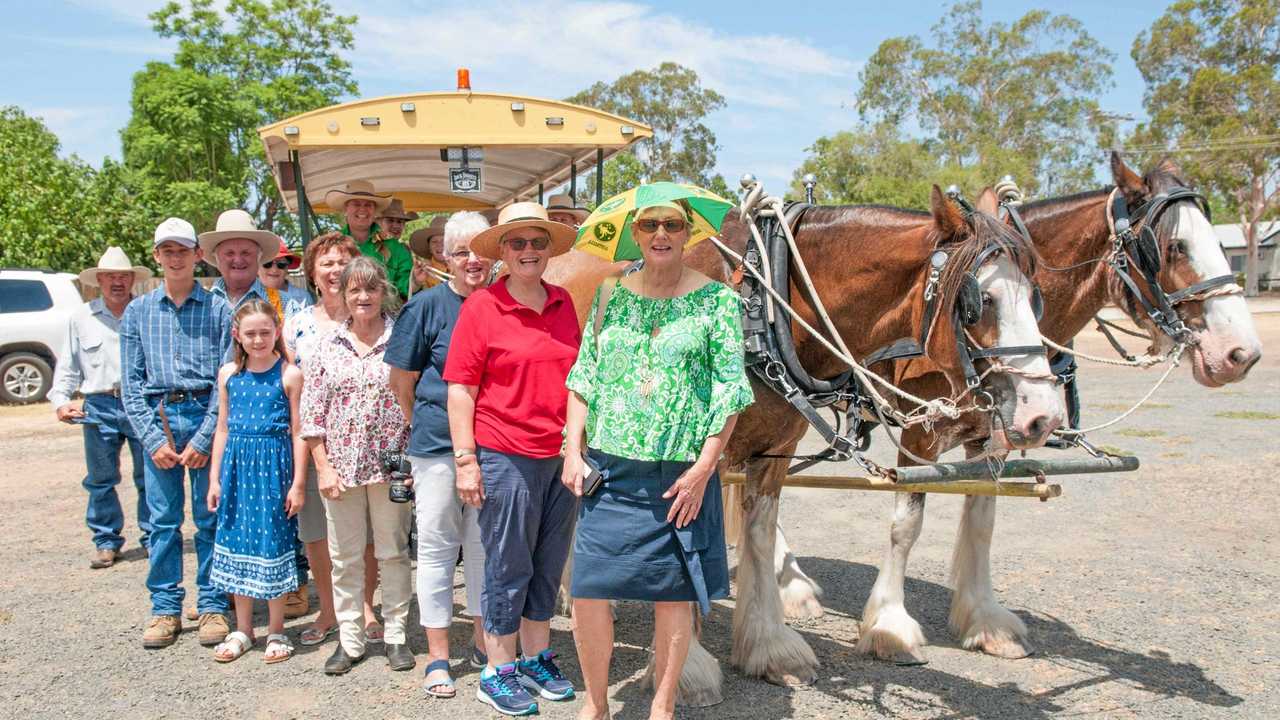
point(35, 307)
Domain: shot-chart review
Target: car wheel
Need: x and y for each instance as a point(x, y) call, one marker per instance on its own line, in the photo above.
point(24, 378)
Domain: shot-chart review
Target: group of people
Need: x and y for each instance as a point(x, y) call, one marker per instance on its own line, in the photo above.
point(304, 419)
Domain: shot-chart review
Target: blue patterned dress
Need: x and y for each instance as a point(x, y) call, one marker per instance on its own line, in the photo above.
point(255, 547)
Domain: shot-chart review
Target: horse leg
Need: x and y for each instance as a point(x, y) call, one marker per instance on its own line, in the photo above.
point(763, 645)
point(887, 630)
point(700, 679)
point(977, 619)
point(798, 591)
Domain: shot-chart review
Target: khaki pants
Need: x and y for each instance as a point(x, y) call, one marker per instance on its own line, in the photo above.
point(349, 520)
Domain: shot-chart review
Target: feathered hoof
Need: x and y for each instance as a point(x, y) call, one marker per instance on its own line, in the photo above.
point(893, 636)
point(800, 600)
point(783, 658)
point(996, 631)
point(700, 681)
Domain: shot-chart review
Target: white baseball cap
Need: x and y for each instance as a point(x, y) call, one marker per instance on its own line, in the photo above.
point(177, 230)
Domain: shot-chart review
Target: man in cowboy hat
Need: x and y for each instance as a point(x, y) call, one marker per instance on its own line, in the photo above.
point(91, 366)
point(238, 248)
point(427, 244)
point(392, 219)
point(172, 342)
point(561, 209)
point(359, 205)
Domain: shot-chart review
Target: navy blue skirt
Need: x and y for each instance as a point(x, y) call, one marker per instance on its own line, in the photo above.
point(624, 548)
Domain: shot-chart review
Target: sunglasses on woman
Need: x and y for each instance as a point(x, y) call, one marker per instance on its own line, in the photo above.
point(672, 226)
point(279, 264)
point(519, 244)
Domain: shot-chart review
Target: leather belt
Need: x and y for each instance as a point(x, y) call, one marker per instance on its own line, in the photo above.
point(177, 396)
point(113, 392)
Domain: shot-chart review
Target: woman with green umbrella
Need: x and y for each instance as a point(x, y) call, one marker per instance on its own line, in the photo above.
point(654, 396)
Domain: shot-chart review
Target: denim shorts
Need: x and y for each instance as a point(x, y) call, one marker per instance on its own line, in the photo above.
point(526, 525)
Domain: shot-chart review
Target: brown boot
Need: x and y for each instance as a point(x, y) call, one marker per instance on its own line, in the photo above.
point(162, 631)
point(213, 629)
point(104, 558)
point(297, 603)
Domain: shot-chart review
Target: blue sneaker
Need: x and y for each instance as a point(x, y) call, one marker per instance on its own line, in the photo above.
point(501, 689)
point(540, 673)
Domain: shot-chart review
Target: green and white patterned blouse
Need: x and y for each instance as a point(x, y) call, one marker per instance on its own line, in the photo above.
point(668, 374)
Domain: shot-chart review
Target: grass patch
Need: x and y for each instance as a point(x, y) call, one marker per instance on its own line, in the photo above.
point(1112, 449)
point(1246, 415)
point(1121, 407)
point(1140, 433)
point(1172, 455)
point(5, 617)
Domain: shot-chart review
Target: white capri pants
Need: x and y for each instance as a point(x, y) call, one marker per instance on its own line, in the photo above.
point(445, 523)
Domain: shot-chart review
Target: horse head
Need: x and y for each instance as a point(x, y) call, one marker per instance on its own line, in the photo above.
point(984, 336)
point(1186, 256)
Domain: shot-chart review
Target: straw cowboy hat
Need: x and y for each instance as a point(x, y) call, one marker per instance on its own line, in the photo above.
point(563, 203)
point(420, 239)
point(237, 224)
point(519, 215)
point(338, 198)
point(395, 210)
point(113, 260)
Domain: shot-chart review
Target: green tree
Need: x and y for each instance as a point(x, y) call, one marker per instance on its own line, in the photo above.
point(58, 213)
point(670, 99)
point(278, 58)
point(1016, 98)
point(1213, 88)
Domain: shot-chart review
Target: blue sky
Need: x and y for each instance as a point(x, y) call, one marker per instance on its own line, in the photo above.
point(789, 76)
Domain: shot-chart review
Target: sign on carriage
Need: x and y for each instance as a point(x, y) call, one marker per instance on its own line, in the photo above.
point(465, 180)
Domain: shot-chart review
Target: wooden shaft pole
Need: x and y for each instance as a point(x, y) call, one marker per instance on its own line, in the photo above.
point(1043, 491)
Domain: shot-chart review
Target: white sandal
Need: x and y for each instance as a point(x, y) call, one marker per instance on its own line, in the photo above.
point(277, 644)
point(236, 643)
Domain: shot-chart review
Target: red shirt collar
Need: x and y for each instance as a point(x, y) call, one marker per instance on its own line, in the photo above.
point(506, 301)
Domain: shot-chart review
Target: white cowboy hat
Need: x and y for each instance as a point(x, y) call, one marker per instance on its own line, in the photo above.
point(338, 198)
point(395, 210)
point(563, 203)
point(113, 260)
point(236, 224)
point(420, 239)
point(518, 215)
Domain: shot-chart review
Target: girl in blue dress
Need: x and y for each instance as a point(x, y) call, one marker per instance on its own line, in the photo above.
point(257, 479)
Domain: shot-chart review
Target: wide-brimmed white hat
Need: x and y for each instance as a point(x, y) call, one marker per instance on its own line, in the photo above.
point(563, 203)
point(113, 260)
point(338, 198)
point(395, 210)
point(420, 239)
point(519, 215)
point(236, 224)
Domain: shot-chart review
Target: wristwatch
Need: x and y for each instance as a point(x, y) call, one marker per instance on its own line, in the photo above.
point(462, 452)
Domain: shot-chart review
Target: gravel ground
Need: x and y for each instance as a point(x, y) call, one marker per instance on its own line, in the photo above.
point(1147, 595)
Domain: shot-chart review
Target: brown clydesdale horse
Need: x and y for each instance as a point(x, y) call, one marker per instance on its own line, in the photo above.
point(869, 264)
point(1073, 238)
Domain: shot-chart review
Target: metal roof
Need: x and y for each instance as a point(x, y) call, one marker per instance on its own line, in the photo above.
point(1231, 236)
point(396, 143)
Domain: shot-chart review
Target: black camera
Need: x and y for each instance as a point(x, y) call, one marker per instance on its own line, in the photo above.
point(398, 466)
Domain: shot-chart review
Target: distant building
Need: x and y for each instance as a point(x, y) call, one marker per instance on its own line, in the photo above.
point(1231, 237)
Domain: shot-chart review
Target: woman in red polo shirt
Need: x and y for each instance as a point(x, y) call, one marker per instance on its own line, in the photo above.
point(511, 351)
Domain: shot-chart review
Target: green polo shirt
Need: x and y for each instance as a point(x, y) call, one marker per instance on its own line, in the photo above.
point(399, 260)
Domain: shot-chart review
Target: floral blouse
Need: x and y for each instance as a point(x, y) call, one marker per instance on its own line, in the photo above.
point(668, 374)
point(347, 400)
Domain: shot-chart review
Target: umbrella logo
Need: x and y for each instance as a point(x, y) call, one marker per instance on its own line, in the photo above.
point(605, 231)
point(611, 205)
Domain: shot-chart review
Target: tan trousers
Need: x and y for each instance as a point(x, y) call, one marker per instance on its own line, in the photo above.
point(349, 520)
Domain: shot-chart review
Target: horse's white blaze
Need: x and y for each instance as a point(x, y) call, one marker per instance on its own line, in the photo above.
point(1038, 409)
point(1229, 327)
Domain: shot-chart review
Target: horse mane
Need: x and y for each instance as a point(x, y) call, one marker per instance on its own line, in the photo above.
point(984, 230)
point(836, 214)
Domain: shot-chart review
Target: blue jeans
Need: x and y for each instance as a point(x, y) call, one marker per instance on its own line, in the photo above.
point(106, 430)
point(166, 495)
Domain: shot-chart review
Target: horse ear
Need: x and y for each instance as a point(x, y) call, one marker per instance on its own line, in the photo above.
point(947, 218)
point(1167, 165)
point(987, 201)
point(1129, 182)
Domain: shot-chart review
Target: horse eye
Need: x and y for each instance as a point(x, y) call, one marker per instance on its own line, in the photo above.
point(1180, 247)
point(986, 300)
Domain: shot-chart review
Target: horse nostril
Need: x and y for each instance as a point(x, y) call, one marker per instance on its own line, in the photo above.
point(1038, 426)
point(1238, 356)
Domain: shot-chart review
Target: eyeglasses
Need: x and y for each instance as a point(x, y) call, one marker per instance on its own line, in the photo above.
point(464, 254)
point(279, 264)
point(672, 226)
point(519, 244)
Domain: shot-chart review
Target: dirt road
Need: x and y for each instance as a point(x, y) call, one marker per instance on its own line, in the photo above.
point(1147, 595)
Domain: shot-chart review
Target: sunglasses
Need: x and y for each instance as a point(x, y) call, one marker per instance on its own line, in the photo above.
point(672, 226)
point(279, 264)
point(519, 244)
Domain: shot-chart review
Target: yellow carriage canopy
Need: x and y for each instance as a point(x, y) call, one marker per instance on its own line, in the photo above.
point(442, 151)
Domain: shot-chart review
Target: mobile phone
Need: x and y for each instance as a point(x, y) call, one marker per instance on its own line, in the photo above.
point(592, 481)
